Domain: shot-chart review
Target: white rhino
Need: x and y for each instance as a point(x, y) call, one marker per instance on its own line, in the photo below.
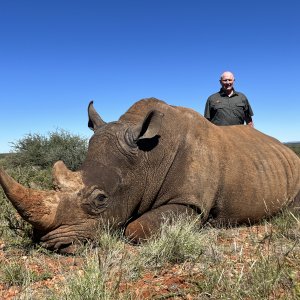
point(159, 159)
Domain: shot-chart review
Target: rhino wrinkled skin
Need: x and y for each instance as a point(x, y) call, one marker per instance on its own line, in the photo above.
point(159, 159)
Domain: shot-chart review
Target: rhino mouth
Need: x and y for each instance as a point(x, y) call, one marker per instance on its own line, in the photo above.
point(66, 239)
point(70, 248)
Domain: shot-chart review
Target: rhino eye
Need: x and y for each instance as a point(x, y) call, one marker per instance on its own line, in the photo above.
point(96, 202)
point(98, 195)
point(101, 197)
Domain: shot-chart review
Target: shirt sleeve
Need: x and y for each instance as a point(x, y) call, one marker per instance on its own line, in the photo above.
point(207, 110)
point(250, 111)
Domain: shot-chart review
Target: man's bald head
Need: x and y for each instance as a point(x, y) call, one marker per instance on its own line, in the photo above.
point(227, 80)
point(227, 75)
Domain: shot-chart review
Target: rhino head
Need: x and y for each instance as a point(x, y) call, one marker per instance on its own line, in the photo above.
point(107, 188)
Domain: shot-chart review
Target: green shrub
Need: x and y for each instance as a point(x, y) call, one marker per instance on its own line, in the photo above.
point(44, 151)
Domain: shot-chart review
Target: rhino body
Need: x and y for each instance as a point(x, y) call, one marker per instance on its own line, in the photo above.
point(159, 159)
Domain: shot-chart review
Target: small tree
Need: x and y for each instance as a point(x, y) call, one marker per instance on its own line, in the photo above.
point(44, 151)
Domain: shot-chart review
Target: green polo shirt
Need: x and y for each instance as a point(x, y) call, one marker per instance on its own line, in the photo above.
point(223, 110)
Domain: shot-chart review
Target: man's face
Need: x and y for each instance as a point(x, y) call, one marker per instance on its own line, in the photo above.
point(227, 81)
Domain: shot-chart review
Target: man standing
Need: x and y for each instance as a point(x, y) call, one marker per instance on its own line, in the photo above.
point(228, 107)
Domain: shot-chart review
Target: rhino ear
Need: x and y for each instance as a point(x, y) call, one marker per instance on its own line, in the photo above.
point(95, 120)
point(150, 127)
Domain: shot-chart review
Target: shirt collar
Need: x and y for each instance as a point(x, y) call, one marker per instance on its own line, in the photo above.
point(223, 94)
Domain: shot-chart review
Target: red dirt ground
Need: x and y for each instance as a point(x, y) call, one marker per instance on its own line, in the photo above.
point(172, 282)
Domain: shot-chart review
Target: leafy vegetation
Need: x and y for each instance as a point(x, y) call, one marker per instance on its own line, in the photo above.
point(44, 151)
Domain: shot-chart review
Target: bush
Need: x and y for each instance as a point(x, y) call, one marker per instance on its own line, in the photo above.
point(44, 151)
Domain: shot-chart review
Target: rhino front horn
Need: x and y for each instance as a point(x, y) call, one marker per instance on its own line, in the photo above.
point(36, 207)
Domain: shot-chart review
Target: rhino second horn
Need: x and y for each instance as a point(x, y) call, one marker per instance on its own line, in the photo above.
point(64, 179)
point(36, 207)
point(95, 120)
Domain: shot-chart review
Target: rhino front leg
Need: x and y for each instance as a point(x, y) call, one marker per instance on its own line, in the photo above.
point(149, 223)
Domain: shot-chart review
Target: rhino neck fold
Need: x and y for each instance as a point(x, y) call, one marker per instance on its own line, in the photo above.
point(33, 205)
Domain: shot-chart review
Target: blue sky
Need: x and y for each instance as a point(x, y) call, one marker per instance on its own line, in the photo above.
point(56, 56)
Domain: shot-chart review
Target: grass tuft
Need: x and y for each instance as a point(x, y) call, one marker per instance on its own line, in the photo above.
point(180, 239)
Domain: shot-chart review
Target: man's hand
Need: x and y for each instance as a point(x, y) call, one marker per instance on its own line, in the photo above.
point(250, 124)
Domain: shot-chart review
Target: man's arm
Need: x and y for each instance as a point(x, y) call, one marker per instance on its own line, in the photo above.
point(249, 120)
point(249, 114)
point(207, 110)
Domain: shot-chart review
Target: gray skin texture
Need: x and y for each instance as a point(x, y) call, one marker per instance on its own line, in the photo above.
point(157, 160)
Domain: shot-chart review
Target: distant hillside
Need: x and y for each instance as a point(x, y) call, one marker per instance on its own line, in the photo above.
point(295, 146)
